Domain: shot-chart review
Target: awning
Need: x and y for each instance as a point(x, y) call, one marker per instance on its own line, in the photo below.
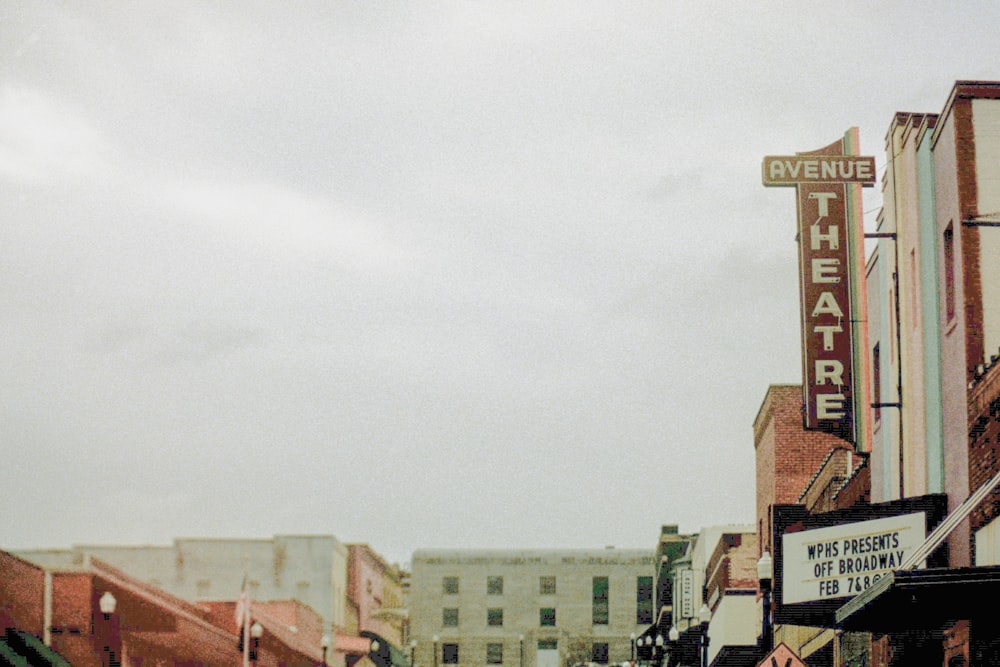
point(352, 644)
point(738, 656)
point(24, 649)
point(386, 655)
point(922, 600)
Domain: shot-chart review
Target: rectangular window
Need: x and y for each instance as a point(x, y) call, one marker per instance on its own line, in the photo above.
point(546, 585)
point(450, 585)
point(548, 644)
point(494, 653)
point(949, 273)
point(877, 381)
point(599, 653)
point(643, 600)
point(600, 602)
point(494, 585)
point(449, 654)
point(449, 618)
point(547, 616)
point(494, 617)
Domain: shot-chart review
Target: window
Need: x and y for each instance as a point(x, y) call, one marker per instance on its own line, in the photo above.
point(449, 618)
point(494, 585)
point(494, 653)
point(877, 381)
point(643, 600)
point(548, 644)
point(494, 617)
point(949, 273)
point(599, 653)
point(546, 585)
point(449, 654)
point(450, 585)
point(547, 616)
point(600, 603)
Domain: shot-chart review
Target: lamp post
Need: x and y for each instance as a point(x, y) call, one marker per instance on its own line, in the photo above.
point(520, 642)
point(765, 574)
point(436, 639)
point(325, 643)
point(705, 616)
point(658, 655)
point(110, 635)
point(631, 639)
point(256, 632)
point(673, 635)
point(413, 650)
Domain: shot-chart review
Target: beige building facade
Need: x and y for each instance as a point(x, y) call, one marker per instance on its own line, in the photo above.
point(529, 608)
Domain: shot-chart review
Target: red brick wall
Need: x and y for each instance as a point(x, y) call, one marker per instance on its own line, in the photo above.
point(787, 454)
point(22, 595)
point(984, 443)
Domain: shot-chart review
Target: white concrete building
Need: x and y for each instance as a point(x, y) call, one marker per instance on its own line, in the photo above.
point(529, 608)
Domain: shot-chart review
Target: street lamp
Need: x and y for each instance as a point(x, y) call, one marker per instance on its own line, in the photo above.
point(705, 616)
point(325, 643)
point(631, 639)
point(673, 634)
point(658, 656)
point(520, 641)
point(765, 574)
point(110, 636)
point(413, 650)
point(436, 640)
point(256, 632)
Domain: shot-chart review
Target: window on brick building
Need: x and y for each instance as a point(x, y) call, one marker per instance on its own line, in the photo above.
point(494, 585)
point(949, 272)
point(599, 653)
point(547, 585)
point(494, 653)
point(494, 617)
point(548, 644)
point(450, 585)
point(449, 654)
point(547, 616)
point(449, 618)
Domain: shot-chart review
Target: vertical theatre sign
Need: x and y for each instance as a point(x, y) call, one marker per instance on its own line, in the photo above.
point(827, 182)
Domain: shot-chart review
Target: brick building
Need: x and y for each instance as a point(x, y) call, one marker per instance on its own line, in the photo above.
point(94, 615)
point(942, 188)
point(351, 587)
point(787, 455)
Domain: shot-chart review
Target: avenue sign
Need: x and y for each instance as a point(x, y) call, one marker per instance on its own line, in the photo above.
point(842, 561)
point(780, 170)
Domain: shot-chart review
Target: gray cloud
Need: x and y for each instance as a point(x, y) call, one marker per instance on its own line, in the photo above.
point(417, 275)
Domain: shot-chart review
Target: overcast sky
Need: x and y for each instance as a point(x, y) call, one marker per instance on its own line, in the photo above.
point(419, 275)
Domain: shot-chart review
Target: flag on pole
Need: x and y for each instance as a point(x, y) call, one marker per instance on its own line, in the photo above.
point(243, 621)
point(241, 609)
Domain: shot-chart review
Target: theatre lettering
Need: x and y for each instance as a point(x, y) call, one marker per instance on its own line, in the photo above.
point(821, 179)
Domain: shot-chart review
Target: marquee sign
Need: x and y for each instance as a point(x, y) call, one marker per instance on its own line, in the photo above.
point(842, 561)
point(822, 179)
point(823, 559)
